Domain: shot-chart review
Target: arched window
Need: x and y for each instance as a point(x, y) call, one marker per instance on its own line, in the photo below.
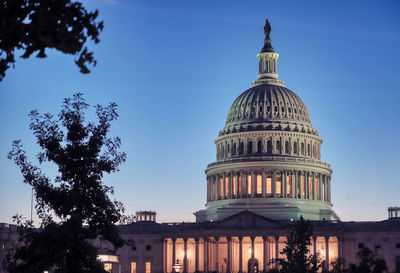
point(259, 185)
point(278, 147)
point(295, 147)
point(269, 147)
point(259, 147)
point(241, 148)
point(250, 147)
point(228, 150)
point(287, 148)
point(308, 149)
point(302, 148)
point(234, 149)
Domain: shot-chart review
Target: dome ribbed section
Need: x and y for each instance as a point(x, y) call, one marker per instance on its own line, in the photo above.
point(265, 104)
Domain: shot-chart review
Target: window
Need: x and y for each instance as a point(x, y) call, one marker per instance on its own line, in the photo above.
point(220, 188)
point(288, 185)
point(148, 267)
point(234, 149)
point(259, 147)
point(148, 247)
point(133, 267)
point(302, 148)
point(133, 248)
point(259, 185)
point(269, 147)
point(250, 147)
point(269, 184)
point(240, 185)
point(360, 245)
point(234, 185)
point(287, 148)
point(295, 147)
point(278, 147)
point(241, 148)
point(278, 184)
point(397, 263)
point(108, 267)
point(377, 246)
point(398, 245)
point(249, 182)
point(226, 187)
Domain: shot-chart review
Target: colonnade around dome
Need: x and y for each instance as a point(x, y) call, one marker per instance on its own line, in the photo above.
point(237, 254)
point(268, 143)
point(269, 184)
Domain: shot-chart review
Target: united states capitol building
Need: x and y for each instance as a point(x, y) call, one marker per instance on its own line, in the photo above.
point(268, 172)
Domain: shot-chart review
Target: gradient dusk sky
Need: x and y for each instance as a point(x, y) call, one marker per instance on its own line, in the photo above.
point(175, 67)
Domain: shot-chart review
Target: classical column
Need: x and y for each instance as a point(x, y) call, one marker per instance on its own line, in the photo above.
point(276, 252)
point(216, 254)
point(253, 184)
point(296, 186)
point(243, 183)
point(185, 255)
point(292, 184)
point(327, 252)
point(321, 198)
point(314, 238)
point(301, 184)
point(307, 184)
point(196, 265)
point(208, 189)
point(218, 189)
point(273, 184)
point(284, 182)
point(329, 189)
point(263, 184)
point(240, 254)
point(223, 186)
point(265, 238)
point(252, 255)
point(314, 195)
point(205, 253)
point(173, 251)
point(229, 254)
point(237, 185)
point(230, 185)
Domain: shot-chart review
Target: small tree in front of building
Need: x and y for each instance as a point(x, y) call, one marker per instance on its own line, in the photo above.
point(298, 258)
point(368, 263)
point(75, 207)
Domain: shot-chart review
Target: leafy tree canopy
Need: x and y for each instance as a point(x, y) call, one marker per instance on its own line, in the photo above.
point(297, 250)
point(34, 25)
point(74, 208)
point(368, 263)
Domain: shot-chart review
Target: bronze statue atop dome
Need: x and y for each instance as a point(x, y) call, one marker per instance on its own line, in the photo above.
point(267, 42)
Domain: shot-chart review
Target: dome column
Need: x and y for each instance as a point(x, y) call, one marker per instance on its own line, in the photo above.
point(253, 184)
point(263, 185)
point(314, 197)
point(223, 186)
point(273, 183)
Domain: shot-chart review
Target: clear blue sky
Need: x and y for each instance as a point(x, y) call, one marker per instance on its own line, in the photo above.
point(175, 67)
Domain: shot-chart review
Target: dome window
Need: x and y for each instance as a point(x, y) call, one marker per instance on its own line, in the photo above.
point(275, 108)
point(268, 108)
point(290, 110)
point(283, 109)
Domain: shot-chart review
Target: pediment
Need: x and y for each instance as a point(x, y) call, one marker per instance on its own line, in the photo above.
point(245, 220)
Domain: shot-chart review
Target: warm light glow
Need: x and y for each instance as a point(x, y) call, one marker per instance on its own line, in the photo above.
point(259, 184)
point(221, 188)
point(278, 184)
point(249, 184)
point(269, 184)
point(249, 250)
point(226, 186)
point(288, 185)
point(133, 267)
point(108, 258)
point(148, 267)
point(240, 186)
point(234, 186)
point(108, 267)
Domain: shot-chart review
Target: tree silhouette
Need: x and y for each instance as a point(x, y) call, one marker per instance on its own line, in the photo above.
point(297, 250)
point(368, 263)
point(76, 207)
point(36, 25)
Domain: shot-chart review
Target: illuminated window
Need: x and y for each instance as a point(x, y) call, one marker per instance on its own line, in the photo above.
point(304, 185)
point(259, 184)
point(133, 267)
point(310, 188)
point(108, 267)
point(288, 185)
point(269, 184)
point(147, 217)
point(278, 184)
point(298, 186)
point(249, 184)
point(226, 187)
point(148, 267)
point(234, 185)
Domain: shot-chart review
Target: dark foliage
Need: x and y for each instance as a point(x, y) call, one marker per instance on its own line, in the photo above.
point(368, 263)
point(297, 253)
point(36, 25)
point(74, 208)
